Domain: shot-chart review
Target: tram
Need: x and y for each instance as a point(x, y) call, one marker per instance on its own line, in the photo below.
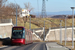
point(21, 35)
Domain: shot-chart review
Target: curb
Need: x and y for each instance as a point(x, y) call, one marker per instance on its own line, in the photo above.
point(64, 46)
point(34, 47)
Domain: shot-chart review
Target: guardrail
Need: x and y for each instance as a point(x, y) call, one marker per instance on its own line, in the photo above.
point(5, 20)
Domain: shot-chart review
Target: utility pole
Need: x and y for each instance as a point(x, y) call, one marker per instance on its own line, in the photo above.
point(65, 30)
point(44, 32)
point(61, 31)
point(16, 14)
point(30, 23)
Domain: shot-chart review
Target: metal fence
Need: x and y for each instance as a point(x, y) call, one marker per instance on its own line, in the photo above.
point(5, 20)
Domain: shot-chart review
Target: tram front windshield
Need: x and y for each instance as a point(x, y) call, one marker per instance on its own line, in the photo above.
point(17, 34)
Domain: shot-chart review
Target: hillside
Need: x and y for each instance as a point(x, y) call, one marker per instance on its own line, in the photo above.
point(59, 16)
point(62, 16)
point(39, 22)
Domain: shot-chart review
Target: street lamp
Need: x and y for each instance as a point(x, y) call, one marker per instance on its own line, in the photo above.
point(72, 26)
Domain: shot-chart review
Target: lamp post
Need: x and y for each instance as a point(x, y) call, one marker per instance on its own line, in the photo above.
point(72, 26)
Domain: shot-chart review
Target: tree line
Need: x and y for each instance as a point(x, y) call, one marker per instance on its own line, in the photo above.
point(10, 8)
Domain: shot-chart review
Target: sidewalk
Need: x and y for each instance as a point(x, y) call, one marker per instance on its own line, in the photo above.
point(55, 46)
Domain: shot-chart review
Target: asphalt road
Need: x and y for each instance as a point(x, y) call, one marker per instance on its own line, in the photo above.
point(33, 46)
point(40, 46)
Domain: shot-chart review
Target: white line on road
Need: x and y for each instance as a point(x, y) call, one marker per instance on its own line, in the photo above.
point(47, 46)
point(3, 46)
point(35, 46)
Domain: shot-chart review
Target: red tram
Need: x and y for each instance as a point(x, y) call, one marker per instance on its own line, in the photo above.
point(21, 35)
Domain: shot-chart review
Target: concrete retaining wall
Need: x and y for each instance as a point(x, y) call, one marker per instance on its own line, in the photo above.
point(54, 34)
point(35, 37)
point(5, 30)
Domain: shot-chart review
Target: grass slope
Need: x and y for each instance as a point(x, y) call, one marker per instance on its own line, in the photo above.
point(39, 22)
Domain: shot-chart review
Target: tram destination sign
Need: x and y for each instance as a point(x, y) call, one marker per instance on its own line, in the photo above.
point(17, 28)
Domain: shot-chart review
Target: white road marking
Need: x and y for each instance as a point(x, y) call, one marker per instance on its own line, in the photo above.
point(47, 46)
point(3, 46)
point(35, 46)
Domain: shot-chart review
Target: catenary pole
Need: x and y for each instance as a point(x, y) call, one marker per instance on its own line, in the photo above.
point(65, 30)
point(61, 31)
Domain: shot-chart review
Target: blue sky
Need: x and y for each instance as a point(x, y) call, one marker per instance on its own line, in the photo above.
point(51, 5)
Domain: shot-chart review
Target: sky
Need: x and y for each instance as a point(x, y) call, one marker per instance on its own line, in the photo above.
point(51, 5)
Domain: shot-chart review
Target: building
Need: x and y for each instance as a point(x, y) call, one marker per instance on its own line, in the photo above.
point(24, 13)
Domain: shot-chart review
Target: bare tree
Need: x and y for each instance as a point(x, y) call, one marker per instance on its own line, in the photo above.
point(28, 6)
point(9, 9)
point(12, 8)
point(2, 1)
point(2, 6)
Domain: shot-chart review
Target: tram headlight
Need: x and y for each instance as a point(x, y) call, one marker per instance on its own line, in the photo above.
point(12, 39)
point(22, 40)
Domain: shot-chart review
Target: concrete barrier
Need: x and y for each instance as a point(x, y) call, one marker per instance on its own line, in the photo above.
point(6, 29)
point(54, 34)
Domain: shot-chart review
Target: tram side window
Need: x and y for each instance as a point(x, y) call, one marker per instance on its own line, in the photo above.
point(24, 32)
point(26, 36)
